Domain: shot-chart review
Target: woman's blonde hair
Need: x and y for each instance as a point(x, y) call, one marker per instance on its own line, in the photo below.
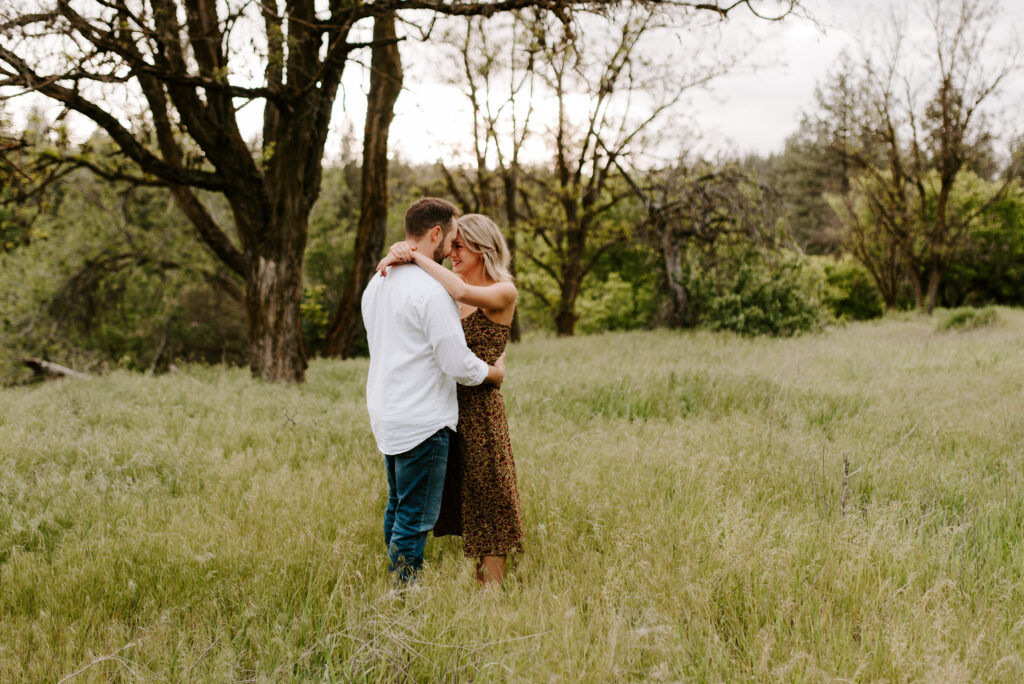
point(482, 236)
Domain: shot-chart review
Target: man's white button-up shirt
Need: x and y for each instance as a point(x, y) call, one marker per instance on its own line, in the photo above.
point(418, 353)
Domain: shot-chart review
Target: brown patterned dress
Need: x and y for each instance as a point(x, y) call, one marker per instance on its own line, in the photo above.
point(481, 497)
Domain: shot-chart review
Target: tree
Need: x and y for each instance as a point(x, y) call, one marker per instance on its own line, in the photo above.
point(953, 126)
point(991, 268)
point(504, 68)
point(695, 207)
point(18, 185)
point(182, 66)
point(183, 61)
point(572, 210)
point(878, 221)
point(116, 282)
point(30, 166)
point(923, 136)
point(346, 324)
point(818, 160)
point(187, 136)
point(496, 75)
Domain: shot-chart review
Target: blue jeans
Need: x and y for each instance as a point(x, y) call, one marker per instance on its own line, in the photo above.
point(415, 483)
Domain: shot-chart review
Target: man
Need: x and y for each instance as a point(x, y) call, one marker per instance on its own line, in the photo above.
point(418, 353)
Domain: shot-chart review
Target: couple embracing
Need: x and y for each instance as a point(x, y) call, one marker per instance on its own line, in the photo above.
point(437, 340)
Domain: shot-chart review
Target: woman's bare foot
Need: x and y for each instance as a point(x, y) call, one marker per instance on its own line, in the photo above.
point(490, 570)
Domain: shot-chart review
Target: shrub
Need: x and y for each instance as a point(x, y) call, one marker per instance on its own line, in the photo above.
point(314, 317)
point(968, 319)
point(123, 287)
point(990, 270)
point(754, 292)
point(615, 304)
point(850, 292)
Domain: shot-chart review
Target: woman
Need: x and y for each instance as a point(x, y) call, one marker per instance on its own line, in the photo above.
point(481, 497)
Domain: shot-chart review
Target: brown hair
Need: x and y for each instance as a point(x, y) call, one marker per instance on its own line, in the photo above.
point(427, 212)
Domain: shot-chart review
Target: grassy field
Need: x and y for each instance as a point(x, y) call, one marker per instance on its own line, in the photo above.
point(687, 513)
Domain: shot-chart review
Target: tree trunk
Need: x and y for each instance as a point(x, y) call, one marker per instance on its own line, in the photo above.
point(565, 319)
point(516, 334)
point(572, 268)
point(679, 300)
point(273, 295)
point(886, 271)
point(934, 278)
point(511, 183)
point(48, 369)
point(274, 225)
point(915, 284)
point(346, 327)
point(889, 296)
point(565, 316)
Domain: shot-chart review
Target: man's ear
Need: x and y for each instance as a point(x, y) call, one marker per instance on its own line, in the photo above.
point(437, 233)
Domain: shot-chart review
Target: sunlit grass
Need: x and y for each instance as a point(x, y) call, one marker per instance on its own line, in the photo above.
point(687, 515)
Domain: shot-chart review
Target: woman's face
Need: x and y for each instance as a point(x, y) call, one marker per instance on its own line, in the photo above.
point(464, 260)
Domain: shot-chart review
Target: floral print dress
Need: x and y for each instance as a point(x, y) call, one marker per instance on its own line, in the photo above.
point(481, 497)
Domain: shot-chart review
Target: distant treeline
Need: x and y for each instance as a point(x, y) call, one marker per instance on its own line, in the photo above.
point(164, 240)
point(99, 273)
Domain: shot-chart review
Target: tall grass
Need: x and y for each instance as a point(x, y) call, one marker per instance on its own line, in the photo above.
point(698, 506)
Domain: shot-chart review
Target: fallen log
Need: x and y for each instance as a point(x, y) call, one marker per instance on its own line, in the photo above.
point(48, 370)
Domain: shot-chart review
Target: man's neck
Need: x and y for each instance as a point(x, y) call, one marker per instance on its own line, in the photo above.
point(422, 244)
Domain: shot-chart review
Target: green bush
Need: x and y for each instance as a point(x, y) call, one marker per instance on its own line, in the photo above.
point(615, 304)
point(850, 292)
point(990, 270)
point(968, 319)
point(120, 282)
point(753, 292)
point(314, 317)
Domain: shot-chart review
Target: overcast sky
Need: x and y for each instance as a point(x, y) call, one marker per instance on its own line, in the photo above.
point(753, 109)
point(750, 110)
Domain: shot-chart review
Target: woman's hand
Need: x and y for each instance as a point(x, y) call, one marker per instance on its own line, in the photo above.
point(400, 253)
point(496, 371)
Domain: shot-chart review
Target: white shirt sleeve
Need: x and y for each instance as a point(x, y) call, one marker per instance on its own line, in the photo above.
point(440, 321)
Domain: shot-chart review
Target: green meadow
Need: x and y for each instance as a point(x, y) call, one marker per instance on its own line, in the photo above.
point(847, 506)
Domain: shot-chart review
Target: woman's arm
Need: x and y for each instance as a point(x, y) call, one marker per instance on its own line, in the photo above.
point(496, 297)
point(400, 253)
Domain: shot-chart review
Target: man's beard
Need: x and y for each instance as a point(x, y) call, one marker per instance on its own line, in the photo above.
point(439, 256)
